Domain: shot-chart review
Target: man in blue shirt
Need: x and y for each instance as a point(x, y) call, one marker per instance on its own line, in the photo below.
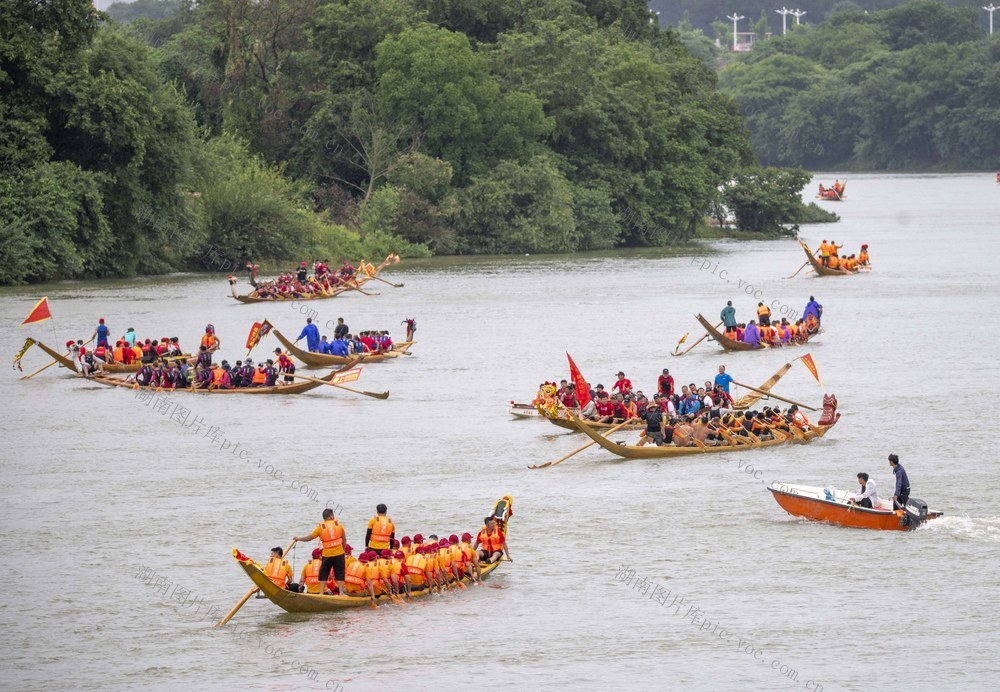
point(324, 346)
point(338, 347)
point(311, 334)
point(101, 334)
point(902, 492)
point(723, 379)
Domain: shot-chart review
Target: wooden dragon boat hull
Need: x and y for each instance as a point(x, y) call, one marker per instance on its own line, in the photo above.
point(739, 443)
point(812, 503)
point(729, 344)
point(827, 271)
point(356, 282)
point(318, 603)
point(294, 388)
point(320, 360)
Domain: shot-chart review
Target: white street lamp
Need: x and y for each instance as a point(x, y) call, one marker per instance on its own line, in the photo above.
point(797, 14)
point(991, 9)
point(784, 12)
point(736, 18)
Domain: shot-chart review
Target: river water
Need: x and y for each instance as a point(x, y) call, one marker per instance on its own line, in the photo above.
point(118, 518)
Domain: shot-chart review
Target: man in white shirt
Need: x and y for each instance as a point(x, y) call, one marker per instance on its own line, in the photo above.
point(868, 497)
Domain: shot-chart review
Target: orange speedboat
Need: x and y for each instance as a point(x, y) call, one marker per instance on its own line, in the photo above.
point(833, 507)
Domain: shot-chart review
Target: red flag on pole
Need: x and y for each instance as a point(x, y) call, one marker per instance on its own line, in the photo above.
point(582, 388)
point(39, 313)
point(257, 332)
point(807, 360)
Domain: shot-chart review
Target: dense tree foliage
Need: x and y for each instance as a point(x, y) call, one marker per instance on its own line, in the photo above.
point(910, 87)
point(231, 129)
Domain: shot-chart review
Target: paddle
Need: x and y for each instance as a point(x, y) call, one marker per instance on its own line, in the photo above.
point(28, 377)
point(775, 396)
point(374, 395)
point(246, 598)
point(388, 282)
point(577, 451)
point(800, 269)
point(695, 343)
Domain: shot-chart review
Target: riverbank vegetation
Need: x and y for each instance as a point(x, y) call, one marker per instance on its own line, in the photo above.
point(199, 135)
point(914, 87)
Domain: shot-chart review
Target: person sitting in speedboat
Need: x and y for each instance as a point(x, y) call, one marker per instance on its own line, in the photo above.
point(868, 497)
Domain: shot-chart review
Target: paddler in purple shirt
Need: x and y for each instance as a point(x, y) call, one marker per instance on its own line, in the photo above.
point(751, 335)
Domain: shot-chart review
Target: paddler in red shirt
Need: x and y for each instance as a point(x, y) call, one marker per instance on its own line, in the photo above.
point(569, 397)
point(605, 408)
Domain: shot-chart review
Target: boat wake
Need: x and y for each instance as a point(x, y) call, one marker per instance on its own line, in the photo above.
point(975, 528)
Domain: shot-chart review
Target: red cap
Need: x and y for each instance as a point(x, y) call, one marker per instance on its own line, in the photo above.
point(406, 540)
point(70, 343)
point(417, 538)
point(348, 549)
point(395, 544)
point(100, 321)
point(399, 555)
point(363, 557)
point(316, 553)
point(386, 553)
point(466, 536)
point(453, 538)
point(304, 264)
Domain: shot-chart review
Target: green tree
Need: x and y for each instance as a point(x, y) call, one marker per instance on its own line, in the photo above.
point(764, 199)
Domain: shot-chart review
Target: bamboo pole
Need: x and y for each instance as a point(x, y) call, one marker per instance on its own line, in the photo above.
point(775, 396)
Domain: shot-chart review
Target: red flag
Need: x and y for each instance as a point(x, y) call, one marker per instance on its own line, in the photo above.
point(582, 388)
point(39, 313)
point(807, 360)
point(257, 332)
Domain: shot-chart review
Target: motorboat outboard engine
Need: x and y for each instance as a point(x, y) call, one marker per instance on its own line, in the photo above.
point(914, 513)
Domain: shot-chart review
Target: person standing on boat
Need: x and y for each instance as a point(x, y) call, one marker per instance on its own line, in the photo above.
point(902, 492)
point(728, 317)
point(130, 337)
point(209, 340)
point(101, 334)
point(381, 531)
point(333, 537)
point(723, 379)
point(654, 427)
point(623, 384)
point(813, 308)
point(868, 497)
point(341, 330)
point(285, 365)
point(311, 334)
point(764, 314)
point(665, 383)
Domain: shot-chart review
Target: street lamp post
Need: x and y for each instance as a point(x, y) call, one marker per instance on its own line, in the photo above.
point(784, 12)
point(991, 9)
point(736, 18)
point(797, 14)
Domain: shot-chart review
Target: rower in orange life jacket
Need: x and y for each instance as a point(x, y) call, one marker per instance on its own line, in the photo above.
point(470, 559)
point(259, 376)
point(493, 542)
point(863, 256)
point(310, 573)
point(381, 531)
point(277, 569)
point(220, 378)
point(834, 262)
point(356, 580)
point(415, 569)
point(398, 574)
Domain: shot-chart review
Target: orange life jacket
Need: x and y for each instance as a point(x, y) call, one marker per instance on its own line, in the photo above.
point(491, 542)
point(119, 355)
point(381, 531)
point(208, 341)
point(458, 557)
point(763, 310)
point(260, 375)
point(332, 537)
point(834, 261)
point(355, 578)
point(863, 257)
point(218, 376)
point(311, 572)
point(415, 564)
point(277, 571)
